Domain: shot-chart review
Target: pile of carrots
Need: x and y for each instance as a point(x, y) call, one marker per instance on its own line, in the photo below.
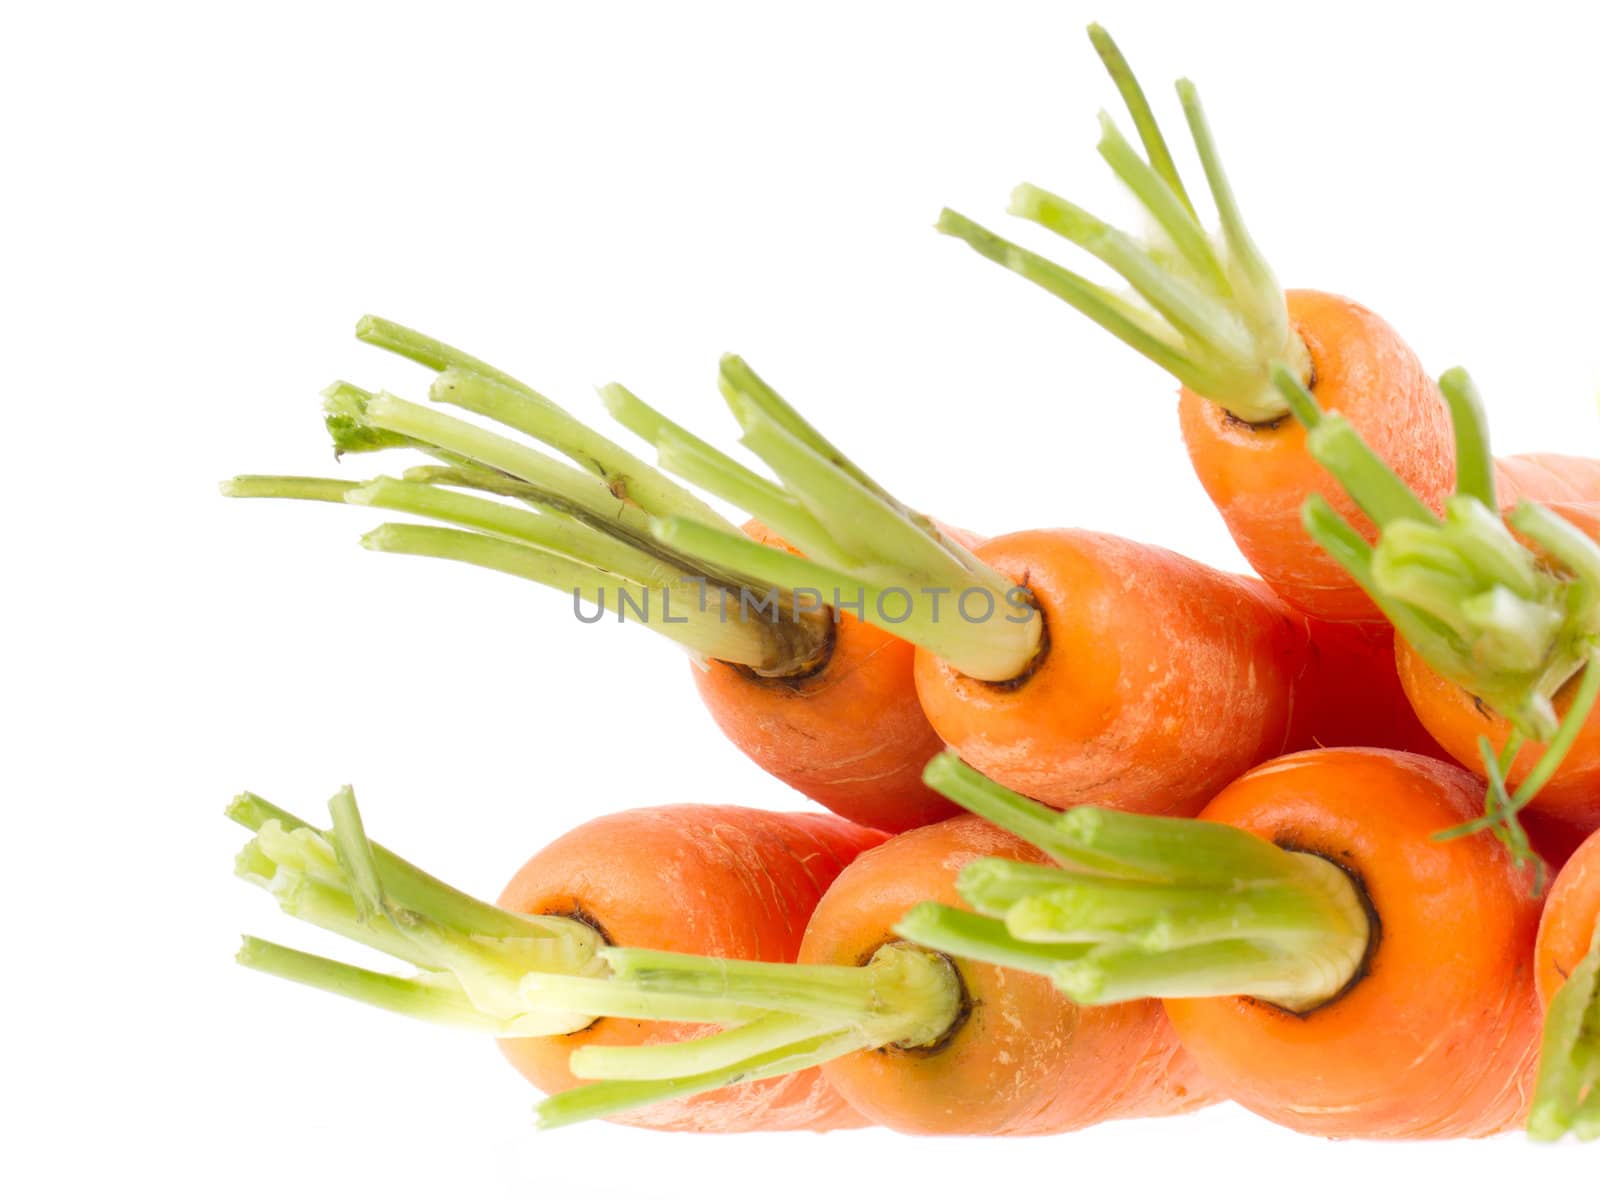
point(1111, 832)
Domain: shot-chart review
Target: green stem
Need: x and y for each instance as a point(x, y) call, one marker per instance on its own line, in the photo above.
point(426, 351)
point(1480, 607)
point(407, 885)
point(608, 1099)
point(1219, 319)
point(339, 881)
point(432, 998)
point(768, 647)
point(551, 976)
point(877, 559)
point(590, 530)
point(807, 1015)
point(697, 1056)
point(1474, 462)
point(964, 934)
point(1144, 119)
point(703, 465)
point(1564, 1099)
point(1150, 906)
point(624, 476)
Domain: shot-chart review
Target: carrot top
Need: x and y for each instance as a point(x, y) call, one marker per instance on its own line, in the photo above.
point(1214, 315)
point(501, 504)
point(1511, 626)
point(1567, 1096)
point(863, 548)
point(1146, 906)
point(487, 969)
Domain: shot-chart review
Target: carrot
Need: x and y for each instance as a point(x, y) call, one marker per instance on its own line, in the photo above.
point(1065, 663)
point(819, 700)
point(1567, 971)
point(1553, 479)
point(1327, 965)
point(1216, 319)
point(921, 1043)
point(704, 879)
point(1498, 613)
point(851, 735)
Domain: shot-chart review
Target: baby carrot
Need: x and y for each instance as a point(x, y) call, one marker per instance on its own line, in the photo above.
point(1567, 971)
point(703, 879)
point(821, 700)
point(975, 1049)
point(1327, 965)
point(1068, 664)
point(909, 1031)
point(1215, 318)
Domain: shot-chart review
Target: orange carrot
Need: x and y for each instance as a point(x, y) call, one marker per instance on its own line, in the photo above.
point(700, 879)
point(1064, 663)
point(1327, 965)
point(826, 705)
point(1567, 971)
point(919, 1042)
point(1023, 1061)
point(1215, 317)
point(850, 733)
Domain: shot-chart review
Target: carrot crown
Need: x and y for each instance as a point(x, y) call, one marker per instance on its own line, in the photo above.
point(864, 551)
point(1213, 314)
point(1146, 906)
point(1566, 1098)
point(484, 968)
point(501, 504)
point(1511, 626)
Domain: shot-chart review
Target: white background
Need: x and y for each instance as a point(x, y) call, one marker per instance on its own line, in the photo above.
point(198, 204)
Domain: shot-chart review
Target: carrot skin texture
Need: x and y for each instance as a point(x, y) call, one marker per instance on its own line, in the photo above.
point(1570, 916)
point(1026, 1060)
point(698, 879)
point(1259, 476)
point(1439, 1036)
point(1149, 655)
point(851, 735)
point(1557, 479)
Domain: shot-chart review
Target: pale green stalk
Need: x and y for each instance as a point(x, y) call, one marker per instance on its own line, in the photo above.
point(1209, 309)
point(1147, 906)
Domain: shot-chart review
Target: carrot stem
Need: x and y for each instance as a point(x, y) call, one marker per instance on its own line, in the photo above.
point(1483, 609)
point(806, 1015)
point(612, 1097)
point(433, 998)
point(408, 885)
point(863, 551)
point(339, 881)
point(1152, 906)
point(624, 475)
point(1567, 1096)
point(697, 1056)
point(1144, 120)
point(538, 976)
point(1217, 319)
point(589, 531)
point(481, 967)
point(1474, 462)
point(964, 934)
